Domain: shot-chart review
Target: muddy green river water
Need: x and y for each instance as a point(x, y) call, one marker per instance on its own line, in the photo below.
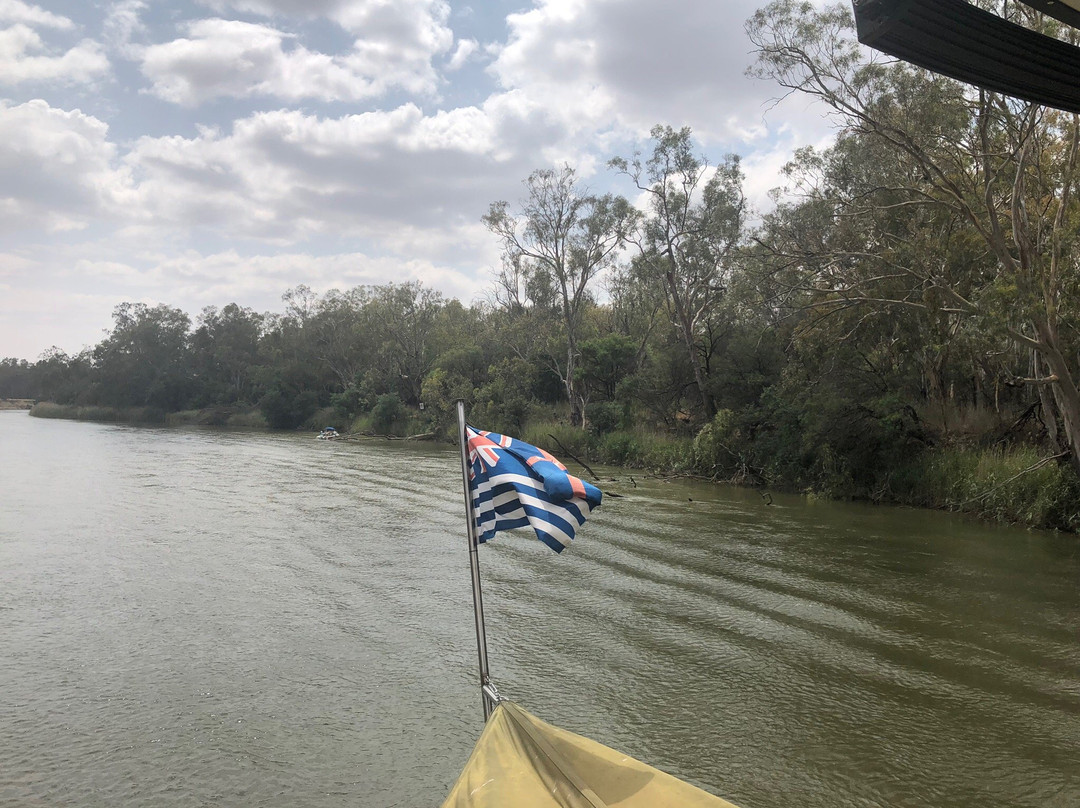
point(195, 617)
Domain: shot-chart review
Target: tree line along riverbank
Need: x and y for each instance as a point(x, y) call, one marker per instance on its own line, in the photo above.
point(903, 326)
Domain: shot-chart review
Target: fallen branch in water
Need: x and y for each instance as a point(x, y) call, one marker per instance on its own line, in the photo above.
point(359, 435)
point(680, 475)
point(567, 452)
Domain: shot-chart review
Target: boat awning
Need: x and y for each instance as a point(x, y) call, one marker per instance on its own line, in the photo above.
point(523, 762)
point(1068, 11)
point(957, 39)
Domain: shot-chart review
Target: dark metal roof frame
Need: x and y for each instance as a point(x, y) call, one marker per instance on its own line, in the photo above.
point(1058, 10)
point(956, 39)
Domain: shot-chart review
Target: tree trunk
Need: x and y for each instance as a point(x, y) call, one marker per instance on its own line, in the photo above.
point(576, 414)
point(1046, 403)
point(686, 328)
point(1066, 394)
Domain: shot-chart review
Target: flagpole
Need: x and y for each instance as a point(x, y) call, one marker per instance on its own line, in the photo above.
point(474, 566)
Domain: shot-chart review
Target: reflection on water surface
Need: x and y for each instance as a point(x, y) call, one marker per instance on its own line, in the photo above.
point(208, 617)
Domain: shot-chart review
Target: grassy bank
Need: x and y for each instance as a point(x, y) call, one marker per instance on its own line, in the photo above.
point(216, 416)
point(1015, 486)
point(638, 449)
point(16, 403)
point(75, 412)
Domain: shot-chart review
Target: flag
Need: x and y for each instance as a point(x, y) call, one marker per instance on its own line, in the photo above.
point(515, 484)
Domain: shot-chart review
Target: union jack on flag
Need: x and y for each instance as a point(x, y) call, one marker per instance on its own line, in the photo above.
point(515, 484)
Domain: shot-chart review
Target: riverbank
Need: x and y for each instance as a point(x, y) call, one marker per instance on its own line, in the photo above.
point(16, 403)
point(213, 416)
point(1002, 485)
point(1014, 485)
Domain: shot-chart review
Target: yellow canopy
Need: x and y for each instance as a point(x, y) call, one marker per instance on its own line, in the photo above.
point(523, 762)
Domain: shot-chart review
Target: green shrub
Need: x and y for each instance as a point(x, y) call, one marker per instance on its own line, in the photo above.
point(619, 449)
point(607, 416)
point(133, 415)
point(324, 416)
point(714, 449)
point(47, 409)
point(1013, 485)
point(250, 419)
point(387, 413)
point(668, 453)
point(574, 439)
point(347, 403)
point(285, 408)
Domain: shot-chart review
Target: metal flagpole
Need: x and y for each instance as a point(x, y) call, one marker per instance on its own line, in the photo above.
point(487, 691)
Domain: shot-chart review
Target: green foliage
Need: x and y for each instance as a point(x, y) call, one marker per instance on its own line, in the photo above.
point(127, 415)
point(556, 437)
point(145, 360)
point(506, 399)
point(323, 417)
point(822, 439)
point(248, 419)
point(388, 412)
point(347, 403)
point(716, 448)
point(1014, 485)
point(606, 361)
point(608, 416)
point(439, 394)
point(286, 407)
point(645, 450)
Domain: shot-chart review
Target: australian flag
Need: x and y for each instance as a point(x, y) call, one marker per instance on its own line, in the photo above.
point(514, 484)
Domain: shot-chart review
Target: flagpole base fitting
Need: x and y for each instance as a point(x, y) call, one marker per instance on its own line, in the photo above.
point(491, 697)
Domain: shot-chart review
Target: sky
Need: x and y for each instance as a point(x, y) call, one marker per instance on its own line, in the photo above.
point(205, 152)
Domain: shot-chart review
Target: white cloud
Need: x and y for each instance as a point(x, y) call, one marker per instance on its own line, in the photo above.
point(19, 64)
point(294, 8)
point(18, 11)
point(122, 22)
point(465, 48)
point(631, 64)
point(412, 183)
point(237, 59)
point(396, 43)
point(256, 280)
point(160, 214)
point(285, 175)
point(58, 170)
point(401, 21)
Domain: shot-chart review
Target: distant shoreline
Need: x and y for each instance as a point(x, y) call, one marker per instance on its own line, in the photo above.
point(1037, 494)
point(212, 416)
point(16, 403)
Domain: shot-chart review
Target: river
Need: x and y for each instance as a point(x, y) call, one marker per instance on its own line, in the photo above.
point(207, 617)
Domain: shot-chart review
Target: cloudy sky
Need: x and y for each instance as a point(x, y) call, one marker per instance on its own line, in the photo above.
point(202, 152)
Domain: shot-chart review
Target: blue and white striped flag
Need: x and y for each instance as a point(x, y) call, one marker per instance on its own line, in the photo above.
point(515, 484)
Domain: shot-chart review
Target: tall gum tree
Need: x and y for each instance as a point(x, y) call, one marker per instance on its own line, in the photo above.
point(686, 240)
point(562, 239)
point(1007, 170)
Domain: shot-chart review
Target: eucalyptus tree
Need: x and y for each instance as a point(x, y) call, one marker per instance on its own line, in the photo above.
point(557, 244)
point(145, 359)
point(1000, 172)
point(688, 237)
point(407, 317)
point(342, 337)
point(225, 349)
